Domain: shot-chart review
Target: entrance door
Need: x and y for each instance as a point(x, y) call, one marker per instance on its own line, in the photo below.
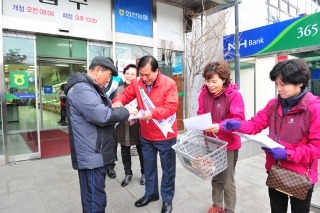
point(20, 91)
point(53, 74)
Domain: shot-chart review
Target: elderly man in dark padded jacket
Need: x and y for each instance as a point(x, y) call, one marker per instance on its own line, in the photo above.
point(91, 130)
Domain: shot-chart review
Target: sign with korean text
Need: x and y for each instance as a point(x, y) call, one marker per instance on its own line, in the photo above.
point(133, 17)
point(295, 33)
point(86, 13)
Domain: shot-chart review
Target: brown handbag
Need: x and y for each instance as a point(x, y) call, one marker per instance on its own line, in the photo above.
point(289, 182)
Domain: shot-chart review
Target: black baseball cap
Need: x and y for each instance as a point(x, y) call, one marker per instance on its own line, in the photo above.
point(104, 63)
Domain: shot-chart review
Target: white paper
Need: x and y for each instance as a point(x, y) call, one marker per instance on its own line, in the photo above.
point(140, 114)
point(200, 122)
point(262, 140)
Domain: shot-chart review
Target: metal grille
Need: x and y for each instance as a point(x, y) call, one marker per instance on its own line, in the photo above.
point(202, 155)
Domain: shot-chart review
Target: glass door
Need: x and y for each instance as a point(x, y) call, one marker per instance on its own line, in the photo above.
point(52, 76)
point(20, 98)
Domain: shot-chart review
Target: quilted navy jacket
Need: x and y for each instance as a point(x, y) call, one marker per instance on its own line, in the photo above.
point(91, 123)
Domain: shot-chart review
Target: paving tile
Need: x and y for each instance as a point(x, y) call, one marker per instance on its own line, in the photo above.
point(22, 184)
point(24, 197)
point(4, 210)
point(120, 198)
point(61, 206)
point(4, 188)
point(58, 193)
point(4, 202)
point(33, 207)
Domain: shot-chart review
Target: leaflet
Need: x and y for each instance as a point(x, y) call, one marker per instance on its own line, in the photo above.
point(140, 114)
point(260, 139)
point(200, 122)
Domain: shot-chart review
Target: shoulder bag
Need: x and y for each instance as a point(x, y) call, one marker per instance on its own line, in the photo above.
point(289, 182)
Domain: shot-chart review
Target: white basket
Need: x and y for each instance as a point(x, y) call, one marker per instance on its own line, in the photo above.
point(202, 155)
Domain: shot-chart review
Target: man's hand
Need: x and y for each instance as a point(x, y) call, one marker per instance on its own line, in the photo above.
point(147, 116)
point(117, 104)
point(213, 128)
point(132, 110)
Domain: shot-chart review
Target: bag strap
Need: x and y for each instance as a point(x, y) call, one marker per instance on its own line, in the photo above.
point(306, 173)
point(309, 167)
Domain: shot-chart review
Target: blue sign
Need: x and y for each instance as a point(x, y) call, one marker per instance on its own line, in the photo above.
point(315, 73)
point(25, 96)
point(133, 17)
point(252, 41)
point(177, 66)
point(47, 89)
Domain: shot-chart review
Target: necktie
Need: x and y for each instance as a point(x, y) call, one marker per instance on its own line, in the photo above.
point(149, 87)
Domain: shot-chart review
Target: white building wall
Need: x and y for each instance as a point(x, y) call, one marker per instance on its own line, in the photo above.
point(265, 89)
point(247, 90)
point(170, 22)
point(252, 14)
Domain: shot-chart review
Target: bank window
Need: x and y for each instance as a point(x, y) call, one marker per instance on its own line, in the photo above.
point(309, 9)
point(293, 11)
point(273, 14)
point(284, 6)
point(284, 16)
point(294, 2)
point(274, 3)
point(302, 6)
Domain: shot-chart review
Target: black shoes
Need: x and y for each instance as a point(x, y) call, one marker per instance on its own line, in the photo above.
point(166, 207)
point(126, 180)
point(112, 174)
point(142, 180)
point(145, 201)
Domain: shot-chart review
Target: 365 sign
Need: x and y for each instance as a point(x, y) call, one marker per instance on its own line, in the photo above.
point(295, 33)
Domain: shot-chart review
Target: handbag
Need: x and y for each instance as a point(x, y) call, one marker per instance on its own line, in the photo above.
point(289, 182)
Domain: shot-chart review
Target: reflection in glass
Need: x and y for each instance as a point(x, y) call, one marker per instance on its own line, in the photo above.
point(98, 51)
point(129, 54)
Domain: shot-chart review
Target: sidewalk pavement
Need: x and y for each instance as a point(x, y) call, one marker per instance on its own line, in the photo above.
point(52, 186)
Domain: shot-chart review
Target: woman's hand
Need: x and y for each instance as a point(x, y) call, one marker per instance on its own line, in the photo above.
point(213, 128)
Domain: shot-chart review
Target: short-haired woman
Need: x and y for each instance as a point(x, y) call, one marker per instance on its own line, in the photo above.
point(129, 135)
point(293, 119)
point(222, 99)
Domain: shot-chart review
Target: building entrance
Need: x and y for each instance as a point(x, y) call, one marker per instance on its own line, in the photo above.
point(32, 86)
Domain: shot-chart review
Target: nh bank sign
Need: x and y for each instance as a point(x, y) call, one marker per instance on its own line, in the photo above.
point(294, 33)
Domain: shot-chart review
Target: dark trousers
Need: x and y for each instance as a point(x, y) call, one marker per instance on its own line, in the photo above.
point(63, 114)
point(126, 159)
point(92, 184)
point(168, 164)
point(112, 165)
point(279, 202)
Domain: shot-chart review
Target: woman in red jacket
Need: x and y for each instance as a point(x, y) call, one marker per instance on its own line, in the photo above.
point(223, 100)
